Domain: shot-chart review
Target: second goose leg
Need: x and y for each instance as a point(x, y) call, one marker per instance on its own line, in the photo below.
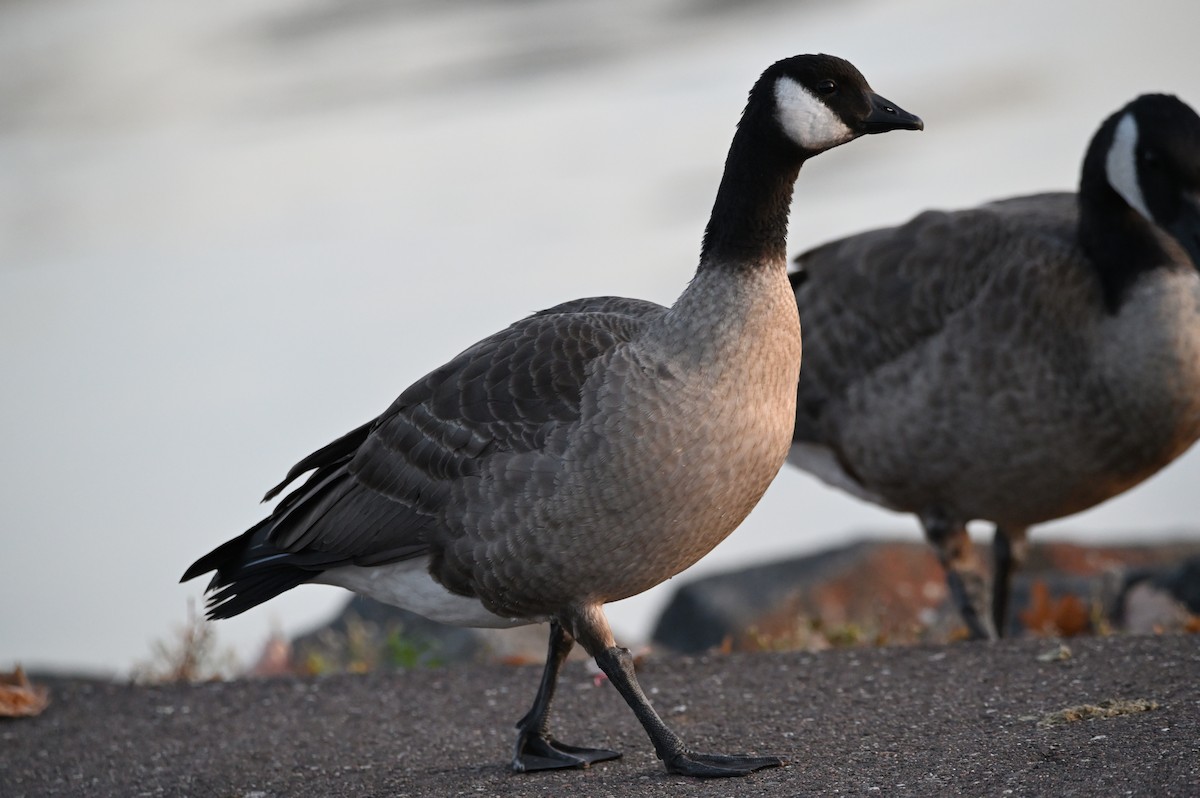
point(964, 573)
point(1009, 547)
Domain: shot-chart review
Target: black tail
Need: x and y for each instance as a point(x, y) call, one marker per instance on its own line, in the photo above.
point(333, 454)
point(250, 569)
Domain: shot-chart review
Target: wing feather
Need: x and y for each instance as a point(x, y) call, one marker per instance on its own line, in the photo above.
point(377, 494)
point(871, 299)
point(506, 394)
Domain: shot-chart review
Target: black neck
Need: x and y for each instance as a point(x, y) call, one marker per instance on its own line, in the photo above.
point(749, 221)
point(1120, 243)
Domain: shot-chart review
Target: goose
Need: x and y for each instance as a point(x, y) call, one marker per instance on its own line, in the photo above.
point(587, 452)
point(1016, 362)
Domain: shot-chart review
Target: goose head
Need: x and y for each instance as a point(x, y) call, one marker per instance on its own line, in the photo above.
point(1152, 161)
point(820, 101)
point(799, 107)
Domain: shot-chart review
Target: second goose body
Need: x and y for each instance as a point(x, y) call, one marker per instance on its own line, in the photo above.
point(587, 452)
point(1015, 362)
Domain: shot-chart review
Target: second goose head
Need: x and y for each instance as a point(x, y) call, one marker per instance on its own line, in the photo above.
point(1141, 180)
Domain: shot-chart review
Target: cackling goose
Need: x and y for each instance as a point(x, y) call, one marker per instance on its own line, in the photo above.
point(587, 452)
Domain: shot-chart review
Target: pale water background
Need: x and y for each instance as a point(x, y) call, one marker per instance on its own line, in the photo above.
point(231, 231)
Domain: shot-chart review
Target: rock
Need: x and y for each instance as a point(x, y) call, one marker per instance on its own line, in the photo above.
point(800, 602)
point(889, 591)
point(368, 635)
point(1161, 599)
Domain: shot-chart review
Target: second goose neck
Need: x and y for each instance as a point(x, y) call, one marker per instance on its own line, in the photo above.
point(1120, 243)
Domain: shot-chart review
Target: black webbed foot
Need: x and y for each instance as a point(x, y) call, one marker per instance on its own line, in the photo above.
point(536, 749)
point(536, 752)
point(708, 766)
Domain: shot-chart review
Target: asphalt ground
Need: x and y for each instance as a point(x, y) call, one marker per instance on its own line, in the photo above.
point(1107, 716)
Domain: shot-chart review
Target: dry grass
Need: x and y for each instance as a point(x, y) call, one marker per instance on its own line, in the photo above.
point(1112, 708)
point(190, 655)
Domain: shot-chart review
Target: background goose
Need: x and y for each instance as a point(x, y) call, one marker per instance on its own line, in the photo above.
point(1016, 362)
point(587, 452)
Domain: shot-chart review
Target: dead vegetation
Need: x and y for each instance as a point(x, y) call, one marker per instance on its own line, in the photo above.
point(20, 698)
point(191, 654)
point(1112, 708)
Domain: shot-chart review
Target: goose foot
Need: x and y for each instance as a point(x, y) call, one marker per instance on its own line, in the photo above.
point(537, 752)
point(591, 628)
point(690, 763)
point(536, 749)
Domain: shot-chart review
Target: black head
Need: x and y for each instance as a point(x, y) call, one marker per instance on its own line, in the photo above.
point(799, 107)
point(820, 101)
point(1151, 159)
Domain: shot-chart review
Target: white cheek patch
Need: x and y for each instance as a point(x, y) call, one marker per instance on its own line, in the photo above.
point(806, 120)
point(1121, 165)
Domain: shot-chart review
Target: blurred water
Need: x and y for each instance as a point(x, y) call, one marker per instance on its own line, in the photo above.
point(231, 231)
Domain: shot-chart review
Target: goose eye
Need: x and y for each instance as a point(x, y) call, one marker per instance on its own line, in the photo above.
point(827, 87)
point(1150, 158)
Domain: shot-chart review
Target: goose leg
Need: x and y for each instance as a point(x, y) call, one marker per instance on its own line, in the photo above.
point(964, 573)
point(536, 749)
point(1009, 547)
point(591, 629)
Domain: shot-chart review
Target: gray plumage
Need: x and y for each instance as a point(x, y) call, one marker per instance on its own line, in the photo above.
point(587, 452)
point(1016, 362)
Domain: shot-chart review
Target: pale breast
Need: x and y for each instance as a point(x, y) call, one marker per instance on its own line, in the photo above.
point(676, 446)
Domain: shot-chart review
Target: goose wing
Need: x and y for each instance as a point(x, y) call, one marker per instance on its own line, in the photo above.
point(375, 492)
point(872, 299)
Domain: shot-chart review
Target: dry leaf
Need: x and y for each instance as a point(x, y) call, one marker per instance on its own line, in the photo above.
point(1066, 617)
point(19, 698)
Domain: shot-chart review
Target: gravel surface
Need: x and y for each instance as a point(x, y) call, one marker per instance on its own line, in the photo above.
point(967, 719)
